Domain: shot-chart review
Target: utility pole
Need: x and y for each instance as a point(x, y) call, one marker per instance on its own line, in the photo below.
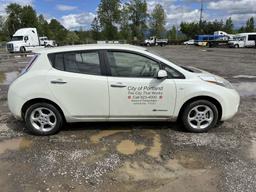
point(201, 16)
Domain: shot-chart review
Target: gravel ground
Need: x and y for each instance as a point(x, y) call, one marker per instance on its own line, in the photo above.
point(137, 156)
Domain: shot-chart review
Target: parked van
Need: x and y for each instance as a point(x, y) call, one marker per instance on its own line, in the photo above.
point(243, 40)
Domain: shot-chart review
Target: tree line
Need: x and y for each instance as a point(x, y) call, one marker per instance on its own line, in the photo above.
point(114, 21)
point(208, 27)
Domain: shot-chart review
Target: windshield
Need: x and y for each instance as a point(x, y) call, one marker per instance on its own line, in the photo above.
point(238, 38)
point(187, 68)
point(191, 69)
point(17, 38)
point(158, 54)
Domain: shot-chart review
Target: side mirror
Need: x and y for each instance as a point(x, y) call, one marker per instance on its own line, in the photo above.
point(26, 38)
point(162, 74)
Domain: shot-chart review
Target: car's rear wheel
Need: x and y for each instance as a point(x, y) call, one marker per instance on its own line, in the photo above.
point(43, 119)
point(200, 116)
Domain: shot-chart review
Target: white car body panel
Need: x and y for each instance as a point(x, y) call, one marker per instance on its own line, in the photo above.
point(91, 97)
point(83, 95)
point(139, 99)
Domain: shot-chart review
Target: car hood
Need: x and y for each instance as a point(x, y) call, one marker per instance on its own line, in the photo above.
point(205, 75)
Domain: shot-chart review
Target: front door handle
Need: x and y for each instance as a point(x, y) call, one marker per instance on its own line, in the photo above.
point(118, 85)
point(58, 81)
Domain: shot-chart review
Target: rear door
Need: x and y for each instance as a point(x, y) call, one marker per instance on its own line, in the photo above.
point(133, 89)
point(78, 83)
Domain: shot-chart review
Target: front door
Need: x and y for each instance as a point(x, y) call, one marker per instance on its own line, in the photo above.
point(134, 91)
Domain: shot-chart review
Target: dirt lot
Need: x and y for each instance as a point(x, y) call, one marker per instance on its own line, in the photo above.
point(137, 156)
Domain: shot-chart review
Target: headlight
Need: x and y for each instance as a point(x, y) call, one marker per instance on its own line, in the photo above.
point(218, 81)
point(223, 84)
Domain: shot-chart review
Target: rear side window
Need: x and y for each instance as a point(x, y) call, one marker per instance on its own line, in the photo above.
point(77, 62)
point(251, 37)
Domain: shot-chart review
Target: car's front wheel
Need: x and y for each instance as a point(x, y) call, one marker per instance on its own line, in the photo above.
point(43, 119)
point(199, 116)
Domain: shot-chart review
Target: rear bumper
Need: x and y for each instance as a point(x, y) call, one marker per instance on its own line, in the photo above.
point(15, 103)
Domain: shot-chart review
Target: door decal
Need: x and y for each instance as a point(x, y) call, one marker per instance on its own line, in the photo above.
point(145, 95)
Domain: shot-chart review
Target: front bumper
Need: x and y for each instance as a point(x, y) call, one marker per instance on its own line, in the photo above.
point(230, 104)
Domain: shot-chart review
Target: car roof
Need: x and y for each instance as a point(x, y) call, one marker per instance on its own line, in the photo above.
point(88, 47)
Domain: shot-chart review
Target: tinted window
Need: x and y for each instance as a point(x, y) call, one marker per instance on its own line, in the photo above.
point(251, 37)
point(77, 62)
point(123, 64)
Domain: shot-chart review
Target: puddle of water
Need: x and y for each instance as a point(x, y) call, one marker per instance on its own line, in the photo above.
point(98, 136)
point(246, 88)
point(244, 76)
point(138, 171)
point(187, 172)
point(186, 161)
point(8, 77)
point(2, 77)
point(14, 144)
point(128, 147)
point(252, 149)
point(155, 150)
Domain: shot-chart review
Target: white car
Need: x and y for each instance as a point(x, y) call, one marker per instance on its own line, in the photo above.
point(116, 83)
point(189, 42)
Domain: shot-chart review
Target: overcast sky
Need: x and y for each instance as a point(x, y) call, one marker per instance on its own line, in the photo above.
point(79, 13)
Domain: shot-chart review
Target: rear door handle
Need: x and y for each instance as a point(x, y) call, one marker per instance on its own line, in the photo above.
point(59, 81)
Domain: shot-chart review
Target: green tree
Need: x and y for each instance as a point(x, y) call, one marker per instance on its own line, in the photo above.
point(210, 27)
point(138, 17)
point(2, 33)
point(172, 34)
point(28, 17)
point(125, 28)
point(157, 20)
point(43, 27)
point(241, 29)
point(249, 25)
point(1, 23)
point(13, 22)
point(229, 26)
point(58, 31)
point(95, 29)
point(72, 38)
point(109, 15)
point(190, 29)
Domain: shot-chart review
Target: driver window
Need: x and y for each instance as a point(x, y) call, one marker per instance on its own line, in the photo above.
point(124, 64)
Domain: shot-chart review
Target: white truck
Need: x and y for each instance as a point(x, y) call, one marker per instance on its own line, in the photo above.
point(243, 40)
point(26, 39)
point(155, 41)
point(46, 42)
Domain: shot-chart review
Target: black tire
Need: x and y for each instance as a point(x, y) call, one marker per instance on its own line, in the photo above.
point(189, 109)
point(32, 126)
point(236, 46)
point(22, 49)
